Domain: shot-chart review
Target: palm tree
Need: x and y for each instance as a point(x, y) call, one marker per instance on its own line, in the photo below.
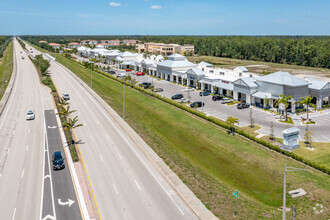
point(231, 121)
point(284, 100)
point(62, 102)
point(71, 124)
point(307, 101)
point(65, 111)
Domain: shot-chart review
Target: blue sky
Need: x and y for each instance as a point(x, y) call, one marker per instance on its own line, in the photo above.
point(166, 17)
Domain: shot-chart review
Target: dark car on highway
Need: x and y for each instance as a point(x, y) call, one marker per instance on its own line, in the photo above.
point(242, 105)
point(217, 97)
point(204, 93)
point(177, 96)
point(58, 161)
point(197, 104)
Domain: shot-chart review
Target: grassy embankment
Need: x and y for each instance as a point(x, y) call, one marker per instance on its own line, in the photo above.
point(6, 60)
point(259, 66)
point(212, 163)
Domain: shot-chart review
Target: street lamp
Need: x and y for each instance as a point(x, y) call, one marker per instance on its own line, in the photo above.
point(287, 169)
point(3, 76)
point(91, 62)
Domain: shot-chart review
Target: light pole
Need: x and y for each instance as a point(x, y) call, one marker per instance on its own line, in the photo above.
point(287, 169)
point(91, 62)
point(3, 76)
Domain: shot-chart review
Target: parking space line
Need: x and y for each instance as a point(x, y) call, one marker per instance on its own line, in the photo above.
point(14, 214)
point(101, 158)
point(119, 156)
point(22, 174)
point(325, 137)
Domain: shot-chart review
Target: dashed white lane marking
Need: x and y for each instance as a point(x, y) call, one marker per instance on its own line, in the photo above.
point(101, 158)
point(29, 130)
point(137, 184)
point(92, 138)
point(27, 147)
point(14, 214)
point(119, 156)
point(115, 188)
point(13, 132)
point(8, 150)
point(22, 174)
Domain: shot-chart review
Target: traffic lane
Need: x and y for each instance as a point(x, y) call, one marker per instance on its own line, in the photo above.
point(64, 195)
point(19, 181)
point(97, 144)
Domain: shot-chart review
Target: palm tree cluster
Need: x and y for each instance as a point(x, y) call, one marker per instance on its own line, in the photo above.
point(64, 111)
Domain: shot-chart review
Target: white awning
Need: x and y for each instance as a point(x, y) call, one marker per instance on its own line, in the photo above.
point(263, 95)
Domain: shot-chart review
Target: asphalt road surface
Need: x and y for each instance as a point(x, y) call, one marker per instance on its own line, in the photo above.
point(22, 142)
point(125, 183)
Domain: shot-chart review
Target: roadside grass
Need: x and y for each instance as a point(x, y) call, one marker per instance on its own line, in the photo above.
point(262, 68)
point(210, 162)
point(6, 60)
point(320, 154)
point(289, 121)
point(249, 130)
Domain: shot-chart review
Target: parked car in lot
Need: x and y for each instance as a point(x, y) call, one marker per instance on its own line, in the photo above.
point(204, 93)
point(197, 104)
point(140, 73)
point(145, 85)
point(242, 105)
point(112, 72)
point(183, 100)
point(66, 96)
point(121, 74)
point(158, 90)
point(217, 97)
point(189, 89)
point(30, 115)
point(58, 161)
point(226, 100)
point(177, 96)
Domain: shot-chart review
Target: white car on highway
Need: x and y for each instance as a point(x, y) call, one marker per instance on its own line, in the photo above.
point(30, 115)
point(66, 96)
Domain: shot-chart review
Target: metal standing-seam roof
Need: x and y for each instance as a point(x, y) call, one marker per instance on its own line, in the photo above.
point(317, 84)
point(283, 78)
point(250, 82)
point(177, 63)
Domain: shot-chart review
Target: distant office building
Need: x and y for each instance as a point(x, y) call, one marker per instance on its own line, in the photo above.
point(165, 49)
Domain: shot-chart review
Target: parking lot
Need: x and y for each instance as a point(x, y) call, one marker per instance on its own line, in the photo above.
point(261, 118)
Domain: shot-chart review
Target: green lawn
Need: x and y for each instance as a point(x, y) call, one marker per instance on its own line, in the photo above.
point(210, 162)
point(6, 60)
point(320, 154)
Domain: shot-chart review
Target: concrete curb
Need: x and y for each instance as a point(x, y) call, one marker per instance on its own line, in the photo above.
point(6, 96)
point(183, 191)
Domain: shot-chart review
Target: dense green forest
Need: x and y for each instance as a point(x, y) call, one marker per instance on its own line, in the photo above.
point(300, 50)
point(4, 41)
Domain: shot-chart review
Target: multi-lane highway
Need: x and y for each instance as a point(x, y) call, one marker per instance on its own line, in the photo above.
point(24, 148)
point(125, 183)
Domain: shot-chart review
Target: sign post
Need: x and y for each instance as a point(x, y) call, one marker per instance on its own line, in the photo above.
point(236, 196)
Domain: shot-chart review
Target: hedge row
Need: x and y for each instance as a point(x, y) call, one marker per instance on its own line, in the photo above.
point(218, 122)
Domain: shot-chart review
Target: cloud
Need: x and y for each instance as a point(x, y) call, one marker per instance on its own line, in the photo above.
point(156, 7)
point(114, 4)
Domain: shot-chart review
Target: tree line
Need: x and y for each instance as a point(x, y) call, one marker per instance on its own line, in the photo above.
point(4, 41)
point(311, 51)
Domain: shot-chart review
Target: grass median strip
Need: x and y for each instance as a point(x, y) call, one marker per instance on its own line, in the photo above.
point(210, 162)
point(6, 68)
